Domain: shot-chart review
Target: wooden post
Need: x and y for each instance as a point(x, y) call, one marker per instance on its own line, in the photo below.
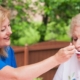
point(26, 55)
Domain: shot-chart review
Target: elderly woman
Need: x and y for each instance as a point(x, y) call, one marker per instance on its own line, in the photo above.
point(70, 70)
point(8, 69)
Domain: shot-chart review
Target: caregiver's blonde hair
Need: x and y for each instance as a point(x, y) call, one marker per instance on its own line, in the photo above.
point(3, 14)
point(75, 22)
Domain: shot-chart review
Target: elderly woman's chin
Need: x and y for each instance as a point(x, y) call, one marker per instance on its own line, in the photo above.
point(78, 56)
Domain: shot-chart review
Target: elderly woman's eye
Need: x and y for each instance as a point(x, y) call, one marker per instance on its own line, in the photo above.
point(74, 39)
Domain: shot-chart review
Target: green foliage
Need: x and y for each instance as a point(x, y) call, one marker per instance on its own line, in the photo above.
point(25, 34)
point(31, 36)
point(56, 16)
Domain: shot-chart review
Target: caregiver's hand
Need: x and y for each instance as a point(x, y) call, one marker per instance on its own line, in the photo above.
point(64, 53)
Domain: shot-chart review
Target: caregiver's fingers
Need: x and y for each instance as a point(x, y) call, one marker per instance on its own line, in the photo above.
point(70, 47)
point(65, 53)
point(71, 52)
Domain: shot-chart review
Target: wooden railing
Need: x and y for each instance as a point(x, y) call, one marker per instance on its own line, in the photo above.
point(38, 52)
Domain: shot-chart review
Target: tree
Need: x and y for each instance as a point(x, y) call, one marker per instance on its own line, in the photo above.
point(54, 24)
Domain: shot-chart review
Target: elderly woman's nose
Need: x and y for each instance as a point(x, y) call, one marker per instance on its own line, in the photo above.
point(78, 43)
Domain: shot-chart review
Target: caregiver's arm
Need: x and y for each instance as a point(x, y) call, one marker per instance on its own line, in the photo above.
point(29, 72)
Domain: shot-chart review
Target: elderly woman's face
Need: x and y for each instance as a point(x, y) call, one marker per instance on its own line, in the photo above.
point(5, 33)
point(76, 39)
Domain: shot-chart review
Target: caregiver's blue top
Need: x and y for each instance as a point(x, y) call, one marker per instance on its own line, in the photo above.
point(10, 60)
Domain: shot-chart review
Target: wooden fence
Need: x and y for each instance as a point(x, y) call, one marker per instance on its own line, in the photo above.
point(38, 52)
